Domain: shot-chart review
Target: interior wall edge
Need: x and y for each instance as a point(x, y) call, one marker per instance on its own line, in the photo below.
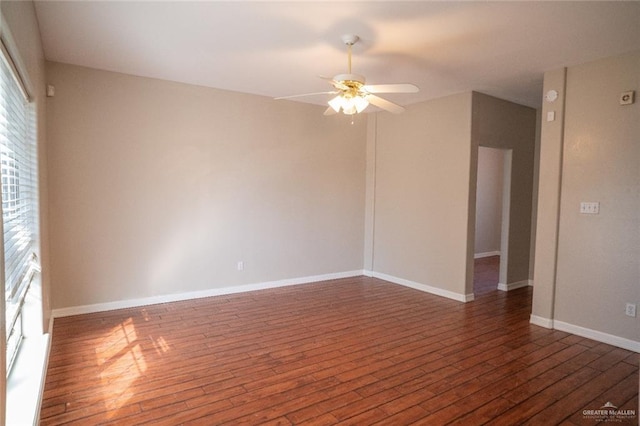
point(548, 202)
point(541, 321)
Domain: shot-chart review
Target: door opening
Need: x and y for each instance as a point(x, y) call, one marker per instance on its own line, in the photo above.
point(491, 249)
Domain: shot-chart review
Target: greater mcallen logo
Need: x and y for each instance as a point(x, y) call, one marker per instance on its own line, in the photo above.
point(609, 413)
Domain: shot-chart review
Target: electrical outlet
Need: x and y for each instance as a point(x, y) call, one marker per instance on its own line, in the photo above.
point(630, 310)
point(240, 265)
point(627, 98)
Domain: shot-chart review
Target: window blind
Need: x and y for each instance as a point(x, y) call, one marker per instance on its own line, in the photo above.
point(18, 173)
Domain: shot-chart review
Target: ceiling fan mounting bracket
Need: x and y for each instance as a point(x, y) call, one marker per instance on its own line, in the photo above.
point(350, 39)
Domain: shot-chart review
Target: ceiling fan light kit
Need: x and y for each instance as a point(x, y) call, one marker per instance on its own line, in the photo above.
point(349, 105)
point(353, 95)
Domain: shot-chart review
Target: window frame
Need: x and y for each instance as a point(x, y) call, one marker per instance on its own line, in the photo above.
point(23, 239)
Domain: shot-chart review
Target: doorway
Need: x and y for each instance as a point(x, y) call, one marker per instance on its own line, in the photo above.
point(493, 190)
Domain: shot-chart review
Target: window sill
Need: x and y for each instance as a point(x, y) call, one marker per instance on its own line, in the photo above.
point(26, 381)
point(25, 384)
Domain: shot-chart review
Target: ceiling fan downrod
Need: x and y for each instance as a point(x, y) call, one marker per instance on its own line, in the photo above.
point(350, 40)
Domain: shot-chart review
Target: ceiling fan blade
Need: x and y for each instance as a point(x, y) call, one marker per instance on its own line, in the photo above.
point(391, 88)
point(385, 104)
point(330, 111)
point(339, 85)
point(335, 83)
point(307, 94)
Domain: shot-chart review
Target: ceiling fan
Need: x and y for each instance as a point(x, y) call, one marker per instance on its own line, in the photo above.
point(353, 95)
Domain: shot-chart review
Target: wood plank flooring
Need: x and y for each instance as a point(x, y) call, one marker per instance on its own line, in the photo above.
point(486, 271)
point(355, 351)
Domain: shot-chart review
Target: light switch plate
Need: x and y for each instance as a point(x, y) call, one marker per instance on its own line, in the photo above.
point(551, 116)
point(590, 207)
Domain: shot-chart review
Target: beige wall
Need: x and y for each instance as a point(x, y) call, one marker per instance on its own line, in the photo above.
point(599, 255)
point(489, 200)
point(534, 203)
point(160, 188)
point(425, 175)
point(422, 175)
point(501, 124)
point(370, 194)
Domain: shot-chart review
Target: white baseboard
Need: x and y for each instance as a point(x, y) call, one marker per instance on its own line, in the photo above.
point(599, 336)
point(513, 286)
point(530, 283)
point(486, 254)
point(367, 273)
point(134, 303)
point(541, 321)
point(424, 287)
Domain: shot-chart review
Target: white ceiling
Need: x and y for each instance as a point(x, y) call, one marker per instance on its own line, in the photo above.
point(279, 48)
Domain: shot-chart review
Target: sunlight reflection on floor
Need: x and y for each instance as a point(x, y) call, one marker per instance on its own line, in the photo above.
point(122, 359)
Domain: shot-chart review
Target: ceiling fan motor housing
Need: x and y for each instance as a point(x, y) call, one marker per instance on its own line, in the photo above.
point(350, 84)
point(350, 77)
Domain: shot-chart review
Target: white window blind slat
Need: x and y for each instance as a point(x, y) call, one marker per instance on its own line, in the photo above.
point(18, 182)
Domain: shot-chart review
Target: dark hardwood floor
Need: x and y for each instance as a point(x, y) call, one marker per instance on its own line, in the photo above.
point(353, 351)
point(486, 272)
